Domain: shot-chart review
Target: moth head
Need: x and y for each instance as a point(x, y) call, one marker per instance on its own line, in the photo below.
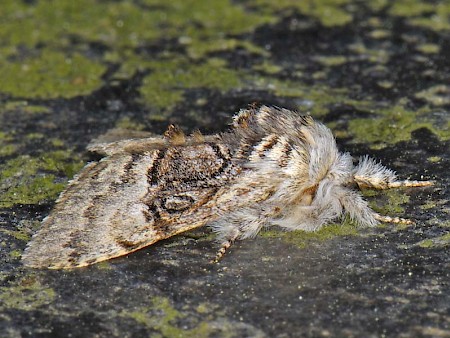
point(341, 169)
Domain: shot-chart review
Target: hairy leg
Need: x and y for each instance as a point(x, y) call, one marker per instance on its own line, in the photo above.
point(357, 208)
point(241, 224)
point(396, 220)
point(221, 252)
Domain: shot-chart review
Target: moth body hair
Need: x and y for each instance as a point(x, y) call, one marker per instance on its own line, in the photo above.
point(312, 186)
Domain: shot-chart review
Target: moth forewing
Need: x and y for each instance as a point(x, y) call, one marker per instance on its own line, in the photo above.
point(123, 203)
point(82, 228)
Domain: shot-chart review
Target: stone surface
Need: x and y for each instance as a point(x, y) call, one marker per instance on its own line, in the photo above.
point(376, 73)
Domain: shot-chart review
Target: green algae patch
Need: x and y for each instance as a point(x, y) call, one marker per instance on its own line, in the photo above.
point(122, 25)
point(206, 27)
point(410, 8)
point(330, 13)
point(164, 87)
point(445, 224)
point(386, 130)
point(7, 147)
point(104, 265)
point(31, 180)
point(200, 48)
point(438, 95)
point(49, 75)
point(429, 205)
point(203, 308)
point(34, 136)
point(5, 136)
point(268, 68)
point(434, 16)
point(385, 84)
point(387, 202)
point(315, 99)
point(437, 20)
point(434, 159)
point(161, 316)
point(286, 88)
point(66, 64)
point(394, 125)
point(379, 34)
point(127, 123)
point(116, 23)
point(303, 239)
point(23, 106)
point(428, 48)
point(330, 61)
point(56, 142)
point(435, 203)
point(21, 235)
point(39, 189)
point(61, 161)
point(436, 242)
point(377, 5)
point(15, 254)
point(27, 294)
point(377, 56)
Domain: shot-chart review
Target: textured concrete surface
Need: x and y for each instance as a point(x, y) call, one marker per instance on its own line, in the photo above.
point(377, 73)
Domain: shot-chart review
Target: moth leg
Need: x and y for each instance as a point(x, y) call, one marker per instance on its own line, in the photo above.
point(242, 224)
point(395, 220)
point(222, 250)
point(357, 208)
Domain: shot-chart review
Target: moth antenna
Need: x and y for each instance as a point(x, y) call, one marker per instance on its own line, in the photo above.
point(197, 136)
point(369, 173)
point(395, 220)
point(408, 183)
point(175, 135)
point(225, 246)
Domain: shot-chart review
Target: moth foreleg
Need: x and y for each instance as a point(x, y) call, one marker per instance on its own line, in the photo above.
point(396, 220)
point(224, 247)
point(241, 224)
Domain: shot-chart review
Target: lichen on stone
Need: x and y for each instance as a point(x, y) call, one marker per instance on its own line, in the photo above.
point(30, 180)
point(26, 294)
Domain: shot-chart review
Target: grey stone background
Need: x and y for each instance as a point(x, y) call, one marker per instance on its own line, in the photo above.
point(377, 73)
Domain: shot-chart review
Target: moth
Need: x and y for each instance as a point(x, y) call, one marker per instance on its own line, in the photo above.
point(274, 167)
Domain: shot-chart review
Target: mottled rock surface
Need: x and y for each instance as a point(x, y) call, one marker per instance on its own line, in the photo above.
point(377, 73)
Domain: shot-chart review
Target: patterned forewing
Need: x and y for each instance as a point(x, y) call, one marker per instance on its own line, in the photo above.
point(128, 201)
